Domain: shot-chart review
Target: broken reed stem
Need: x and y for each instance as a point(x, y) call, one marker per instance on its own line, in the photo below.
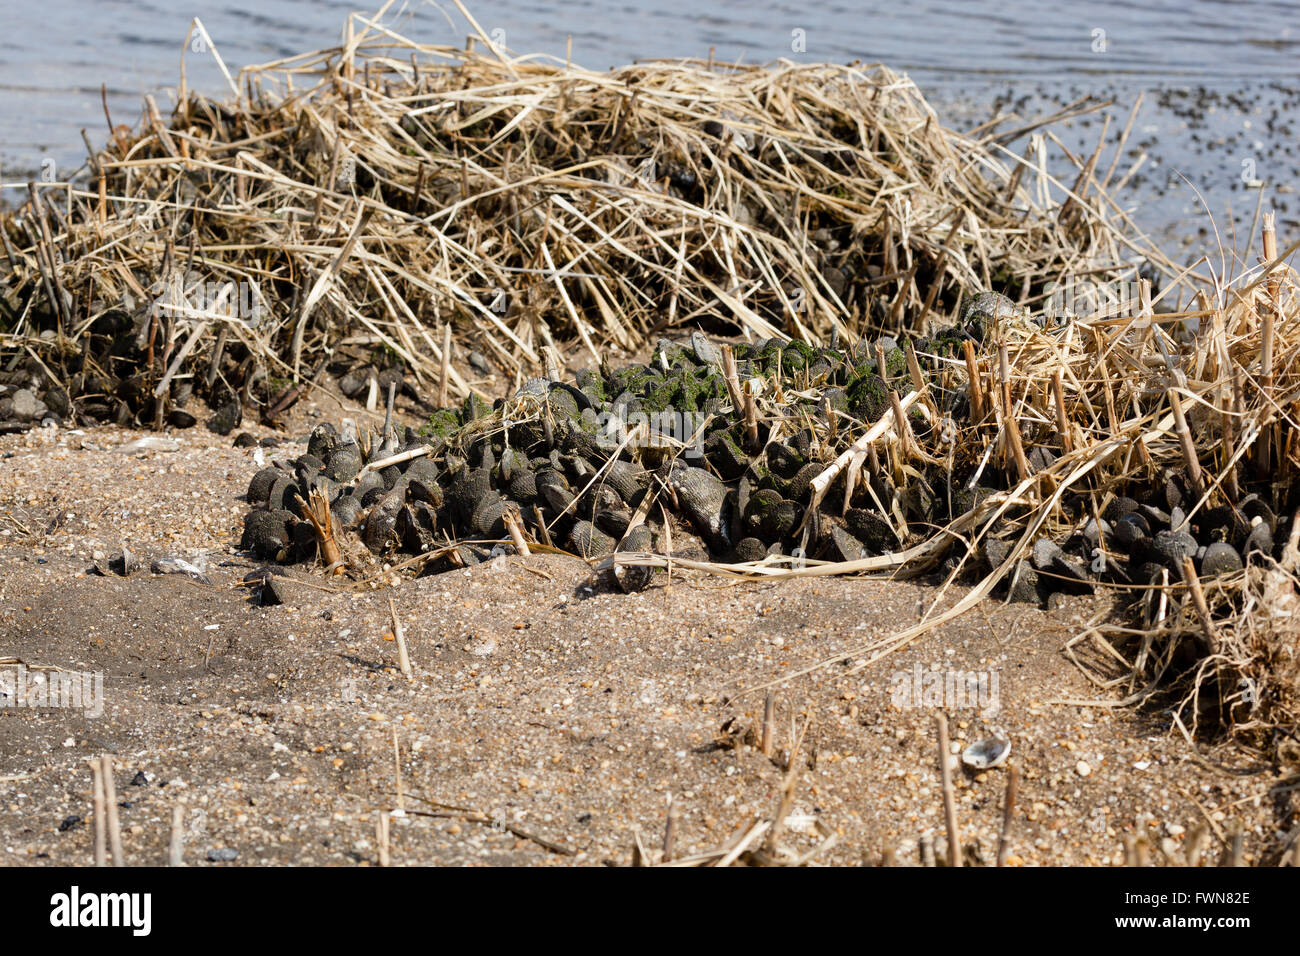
point(214, 364)
point(902, 426)
point(397, 459)
point(399, 635)
point(772, 843)
point(1229, 450)
point(97, 806)
point(516, 535)
point(47, 270)
point(444, 374)
point(1004, 377)
point(670, 829)
point(900, 301)
point(913, 366)
point(419, 186)
point(668, 546)
point(949, 798)
point(1008, 814)
point(539, 521)
point(751, 417)
point(1010, 427)
point(10, 254)
point(973, 378)
point(176, 842)
point(1185, 439)
point(769, 725)
point(832, 423)
point(1111, 415)
point(1017, 448)
point(1062, 420)
point(731, 379)
point(316, 509)
point(110, 804)
point(397, 771)
point(551, 360)
point(101, 210)
point(388, 411)
point(864, 443)
point(381, 837)
point(1198, 601)
point(1266, 340)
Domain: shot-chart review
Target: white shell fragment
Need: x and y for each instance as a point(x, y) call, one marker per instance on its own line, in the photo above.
point(987, 753)
point(173, 565)
point(149, 443)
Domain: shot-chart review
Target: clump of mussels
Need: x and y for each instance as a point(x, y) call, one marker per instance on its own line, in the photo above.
point(558, 455)
point(27, 400)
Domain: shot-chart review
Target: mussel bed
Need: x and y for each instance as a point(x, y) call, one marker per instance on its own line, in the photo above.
point(567, 459)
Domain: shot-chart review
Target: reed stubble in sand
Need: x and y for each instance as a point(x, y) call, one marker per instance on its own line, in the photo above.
point(399, 636)
point(176, 839)
point(97, 807)
point(110, 805)
point(949, 797)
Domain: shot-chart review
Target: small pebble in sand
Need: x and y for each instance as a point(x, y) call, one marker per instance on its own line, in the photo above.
point(1082, 768)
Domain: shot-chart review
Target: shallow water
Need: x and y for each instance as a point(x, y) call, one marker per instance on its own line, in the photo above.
point(54, 55)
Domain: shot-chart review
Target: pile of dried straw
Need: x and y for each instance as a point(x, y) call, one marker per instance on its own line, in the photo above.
point(354, 203)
